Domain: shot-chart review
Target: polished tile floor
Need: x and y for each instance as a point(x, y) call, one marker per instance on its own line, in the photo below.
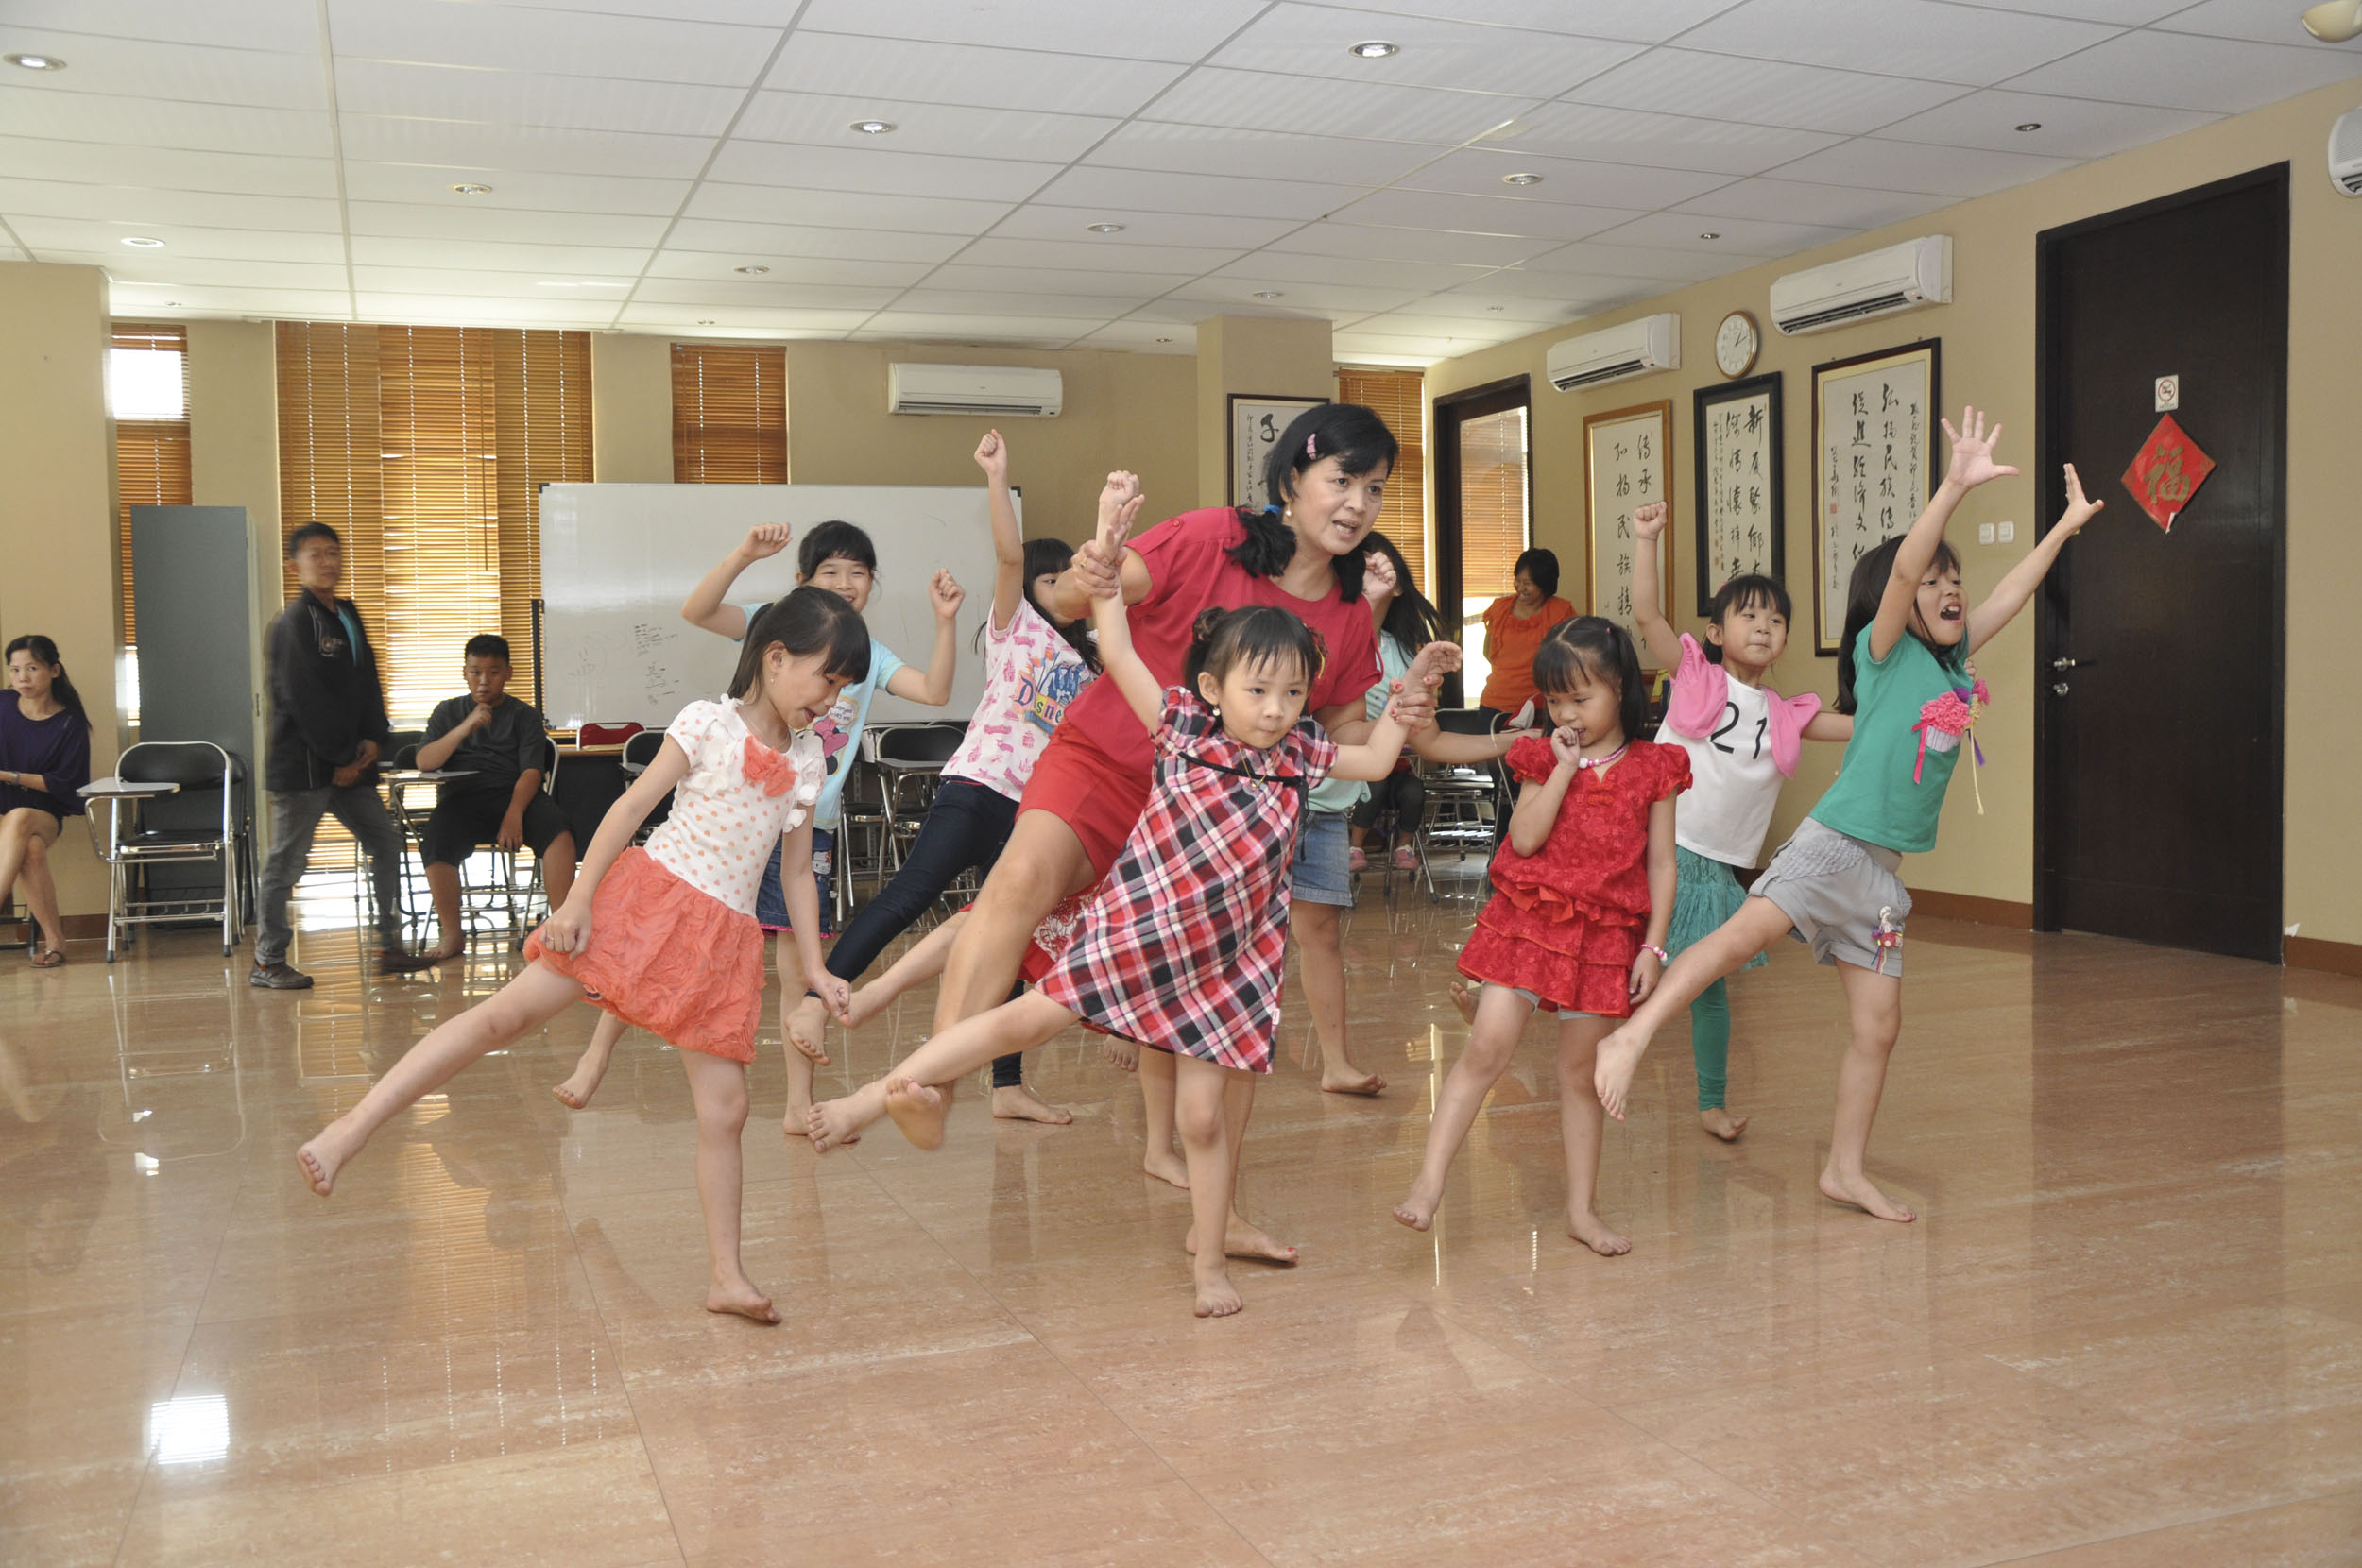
point(2126, 1331)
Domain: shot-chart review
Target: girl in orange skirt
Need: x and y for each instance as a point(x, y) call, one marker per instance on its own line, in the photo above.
point(665, 937)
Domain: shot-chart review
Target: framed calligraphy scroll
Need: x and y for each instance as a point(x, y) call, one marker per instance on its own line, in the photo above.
point(1741, 505)
point(1874, 455)
point(1627, 463)
point(1255, 426)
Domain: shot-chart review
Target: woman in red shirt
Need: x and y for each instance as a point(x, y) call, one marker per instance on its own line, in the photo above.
point(1515, 625)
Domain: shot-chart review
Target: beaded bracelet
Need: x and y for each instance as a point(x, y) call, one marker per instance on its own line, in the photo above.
point(1662, 956)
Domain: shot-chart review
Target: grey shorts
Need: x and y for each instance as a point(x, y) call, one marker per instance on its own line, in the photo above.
point(1324, 865)
point(1566, 1014)
point(1843, 895)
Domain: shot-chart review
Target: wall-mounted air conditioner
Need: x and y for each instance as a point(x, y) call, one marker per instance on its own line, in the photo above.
point(1634, 348)
point(1004, 391)
point(1899, 278)
point(2345, 153)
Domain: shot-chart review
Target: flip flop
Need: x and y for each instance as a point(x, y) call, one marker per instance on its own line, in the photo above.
point(47, 957)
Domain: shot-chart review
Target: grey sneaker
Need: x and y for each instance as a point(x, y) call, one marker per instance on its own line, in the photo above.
point(277, 977)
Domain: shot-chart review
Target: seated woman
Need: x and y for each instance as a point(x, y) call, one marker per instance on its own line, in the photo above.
point(502, 745)
point(44, 757)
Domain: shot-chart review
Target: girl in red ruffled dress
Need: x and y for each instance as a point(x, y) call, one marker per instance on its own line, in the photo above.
point(1583, 895)
point(665, 937)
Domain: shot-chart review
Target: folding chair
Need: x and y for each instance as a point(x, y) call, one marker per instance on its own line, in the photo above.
point(1458, 795)
point(138, 837)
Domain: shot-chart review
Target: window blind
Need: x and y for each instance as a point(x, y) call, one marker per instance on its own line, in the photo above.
point(151, 455)
point(1494, 528)
point(1399, 398)
point(730, 414)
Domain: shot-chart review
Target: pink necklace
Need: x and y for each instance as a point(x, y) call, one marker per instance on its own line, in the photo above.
point(1583, 762)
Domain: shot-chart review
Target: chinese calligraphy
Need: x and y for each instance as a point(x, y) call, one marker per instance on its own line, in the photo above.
point(1870, 461)
point(1626, 455)
point(1739, 502)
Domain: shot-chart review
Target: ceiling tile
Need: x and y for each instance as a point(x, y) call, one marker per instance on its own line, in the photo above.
point(1411, 244)
point(516, 188)
point(1175, 310)
point(920, 128)
point(1763, 91)
point(2128, 13)
point(1902, 38)
point(530, 98)
point(722, 320)
point(842, 209)
point(2257, 21)
point(757, 242)
point(46, 234)
point(1179, 29)
point(1208, 194)
point(1254, 154)
point(1483, 172)
point(470, 284)
point(1480, 214)
point(164, 122)
point(876, 172)
point(515, 38)
point(1641, 20)
point(169, 169)
point(135, 207)
point(1257, 100)
point(1317, 299)
point(675, 261)
point(435, 309)
point(541, 261)
point(1315, 40)
point(478, 149)
point(979, 329)
point(1601, 133)
point(1135, 287)
point(157, 267)
point(1036, 221)
point(1142, 337)
point(1567, 293)
point(281, 304)
point(1744, 240)
point(1390, 348)
point(2180, 71)
point(1660, 265)
point(1527, 310)
point(141, 68)
point(1867, 160)
point(1192, 260)
point(1468, 335)
point(275, 25)
point(1796, 201)
point(756, 14)
point(1360, 271)
point(453, 218)
point(759, 291)
point(909, 70)
point(2070, 127)
point(941, 301)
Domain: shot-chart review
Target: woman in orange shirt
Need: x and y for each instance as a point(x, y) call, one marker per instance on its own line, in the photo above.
point(1515, 625)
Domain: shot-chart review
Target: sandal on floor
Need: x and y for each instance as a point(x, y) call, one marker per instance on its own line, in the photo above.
point(46, 958)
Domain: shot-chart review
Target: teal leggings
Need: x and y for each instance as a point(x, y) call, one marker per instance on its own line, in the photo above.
point(1710, 1043)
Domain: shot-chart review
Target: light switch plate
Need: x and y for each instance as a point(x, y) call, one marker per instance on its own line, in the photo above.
point(2169, 393)
point(2005, 532)
point(1984, 533)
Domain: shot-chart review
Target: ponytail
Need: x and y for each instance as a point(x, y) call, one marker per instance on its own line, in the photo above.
point(61, 689)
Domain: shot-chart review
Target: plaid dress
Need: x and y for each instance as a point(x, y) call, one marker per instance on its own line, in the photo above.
point(1182, 948)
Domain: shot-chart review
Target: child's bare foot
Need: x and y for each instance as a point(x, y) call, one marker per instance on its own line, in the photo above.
point(1167, 1165)
point(320, 1159)
point(1857, 1189)
point(1619, 1059)
point(740, 1296)
point(807, 1027)
point(574, 1094)
point(1463, 997)
point(1217, 1297)
point(1587, 1228)
point(831, 1124)
point(917, 1110)
point(1242, 1241)
point(1349, 1079)
point(1122, 1054)
point(1418, 1210)
point(1719, 1122)
point(1016, 1102)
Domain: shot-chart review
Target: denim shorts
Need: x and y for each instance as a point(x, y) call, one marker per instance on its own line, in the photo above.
point(1322, 872)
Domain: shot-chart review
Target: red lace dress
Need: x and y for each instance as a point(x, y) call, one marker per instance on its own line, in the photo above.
point(1566, 922)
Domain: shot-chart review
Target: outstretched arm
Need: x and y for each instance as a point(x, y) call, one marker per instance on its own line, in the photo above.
point(707, 608)
point(933, 688)
point(2010, 595)
point(1119, 504)
point(1008, 544)
point(1971, 465)
point(1826, 726)
point(1375, 758)
point(1664, 645)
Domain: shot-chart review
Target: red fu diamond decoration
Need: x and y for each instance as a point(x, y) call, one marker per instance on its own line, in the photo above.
point(2166, 472)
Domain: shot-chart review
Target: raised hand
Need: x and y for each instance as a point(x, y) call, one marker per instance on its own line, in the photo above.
point(1567, 745)
point(1414, 702)
point(1972, 453)
point(948, 595)
point(1648, 522)
point(992, 455)
point(1120, 502)
point(2078, 510)
point(764, 540)
point(1378, 576)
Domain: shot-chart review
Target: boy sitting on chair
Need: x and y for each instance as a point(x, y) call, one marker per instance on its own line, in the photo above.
point(502, 743)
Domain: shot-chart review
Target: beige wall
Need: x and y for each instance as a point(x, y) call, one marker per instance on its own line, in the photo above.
point(631, 409)
point(234, 461)
point(1127, 411)
point(58, 510)
point(1258, 356)
point(1988, 335)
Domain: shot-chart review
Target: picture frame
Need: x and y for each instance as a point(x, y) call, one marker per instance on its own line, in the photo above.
point(1738, 467)
point(1627, 462)
point(1256, 424)
point(1874, 464)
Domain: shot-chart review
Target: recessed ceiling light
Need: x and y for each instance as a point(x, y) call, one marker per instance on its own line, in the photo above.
point(35, 62)
point(706, 321)
point(1709, 234)
point(1269, 292)
point(1164, 340)
point(873, 128)
point(470, 188)
point(752, 271)
point(1107, 228)
point(143, 242)
point(1497, 307)
point(1521, 179)
point(1375, 48)
point(2031, 125)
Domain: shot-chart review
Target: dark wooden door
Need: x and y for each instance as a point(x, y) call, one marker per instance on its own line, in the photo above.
point(2160, 655)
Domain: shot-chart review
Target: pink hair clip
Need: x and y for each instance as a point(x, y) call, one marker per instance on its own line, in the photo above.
point(1310, 442)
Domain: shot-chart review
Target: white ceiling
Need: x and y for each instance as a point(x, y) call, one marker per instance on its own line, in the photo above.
point(297, 156)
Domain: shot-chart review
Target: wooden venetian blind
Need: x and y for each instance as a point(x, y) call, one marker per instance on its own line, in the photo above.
point(1493, 527)
point(1399, 398)
point(729, 415)
point(151, 455)
point(425, 448)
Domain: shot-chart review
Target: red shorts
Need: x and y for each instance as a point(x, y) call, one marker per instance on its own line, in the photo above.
point(1092, 792)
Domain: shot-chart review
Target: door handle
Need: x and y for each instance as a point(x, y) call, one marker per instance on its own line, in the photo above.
point(2058, 688)
point(2063, 664)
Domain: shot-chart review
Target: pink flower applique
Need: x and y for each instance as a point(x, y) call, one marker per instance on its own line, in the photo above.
point(768, 768)
point(1945, 720)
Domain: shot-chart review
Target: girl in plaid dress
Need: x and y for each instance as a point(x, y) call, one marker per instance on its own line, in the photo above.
point(1181, 948)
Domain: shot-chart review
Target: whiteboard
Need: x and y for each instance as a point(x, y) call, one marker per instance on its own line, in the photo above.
point(618, 560)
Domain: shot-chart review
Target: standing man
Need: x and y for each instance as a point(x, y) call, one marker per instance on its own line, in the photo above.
point(327, 729)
